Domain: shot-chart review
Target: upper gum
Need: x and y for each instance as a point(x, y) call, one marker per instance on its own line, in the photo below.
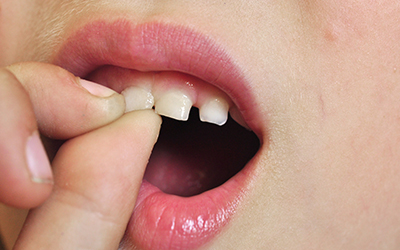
point(159, 83)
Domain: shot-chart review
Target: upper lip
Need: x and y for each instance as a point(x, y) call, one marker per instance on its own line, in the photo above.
point(158, 47)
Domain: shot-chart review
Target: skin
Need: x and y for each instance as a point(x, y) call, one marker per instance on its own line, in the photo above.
point(325, 75)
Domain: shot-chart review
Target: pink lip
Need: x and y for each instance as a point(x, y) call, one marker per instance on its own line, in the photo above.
point(163, 221)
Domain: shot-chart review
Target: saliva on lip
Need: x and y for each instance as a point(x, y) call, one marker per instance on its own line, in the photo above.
point(176, 101)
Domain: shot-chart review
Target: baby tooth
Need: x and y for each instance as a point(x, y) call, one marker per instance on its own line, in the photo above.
point(174, 104)
point(215, 111)
point(137, 98)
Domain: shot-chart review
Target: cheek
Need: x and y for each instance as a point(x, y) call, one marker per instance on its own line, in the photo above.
point(18, 20)
point(11, 27)
point(347, 21)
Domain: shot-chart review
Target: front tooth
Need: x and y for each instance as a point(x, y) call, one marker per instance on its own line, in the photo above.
point(174, 104)
point(137, 98)
point(215, 111)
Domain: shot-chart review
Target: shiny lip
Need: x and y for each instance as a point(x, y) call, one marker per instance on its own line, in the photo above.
point(162, 221)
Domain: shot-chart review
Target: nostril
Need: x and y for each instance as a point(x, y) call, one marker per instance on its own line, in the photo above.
point(193, 157)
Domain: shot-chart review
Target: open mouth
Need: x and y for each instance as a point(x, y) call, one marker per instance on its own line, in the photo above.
point(191, 158)
point(198, 148)
point(199, 171)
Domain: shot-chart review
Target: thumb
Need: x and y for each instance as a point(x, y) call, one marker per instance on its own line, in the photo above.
point(97, 179)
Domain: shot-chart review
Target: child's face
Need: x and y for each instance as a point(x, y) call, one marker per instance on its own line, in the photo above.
point(323, 81)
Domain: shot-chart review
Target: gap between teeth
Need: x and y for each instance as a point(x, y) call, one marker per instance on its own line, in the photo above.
point(176, 104)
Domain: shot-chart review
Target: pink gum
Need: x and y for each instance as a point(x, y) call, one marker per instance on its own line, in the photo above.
point(159, 83)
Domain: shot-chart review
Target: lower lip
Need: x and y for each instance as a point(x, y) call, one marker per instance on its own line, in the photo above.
point(163, 221)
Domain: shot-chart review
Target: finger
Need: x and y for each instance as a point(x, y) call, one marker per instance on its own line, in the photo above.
point(25, 174)
point(97, 178)
point(66, 106)
point(63, 106)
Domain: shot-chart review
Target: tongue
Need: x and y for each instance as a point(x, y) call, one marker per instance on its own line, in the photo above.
point(193, 157)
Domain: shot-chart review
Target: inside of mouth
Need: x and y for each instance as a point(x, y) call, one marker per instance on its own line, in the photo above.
point(192, 157)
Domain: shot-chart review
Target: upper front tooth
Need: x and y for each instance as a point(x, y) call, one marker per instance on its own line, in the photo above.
point(137, 98)
point(215, 111)
point(174, 104)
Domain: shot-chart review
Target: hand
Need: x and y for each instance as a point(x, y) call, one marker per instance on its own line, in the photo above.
point(41, 96)
point(97, 179)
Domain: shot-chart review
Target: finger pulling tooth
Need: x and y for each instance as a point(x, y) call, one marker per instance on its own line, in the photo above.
point(174, 104)
point(215, 111)
point(137, 98)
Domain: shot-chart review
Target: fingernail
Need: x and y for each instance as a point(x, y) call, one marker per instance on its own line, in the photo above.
point(96, 89)
point(38, 163)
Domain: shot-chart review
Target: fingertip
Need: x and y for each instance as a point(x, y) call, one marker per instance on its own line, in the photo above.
point(146, 124)
point(96, 89)
point(26, 180)
point(148, 118)
point(19, 191)
point(112, 102)
point(37, 161)
point(113, 107)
